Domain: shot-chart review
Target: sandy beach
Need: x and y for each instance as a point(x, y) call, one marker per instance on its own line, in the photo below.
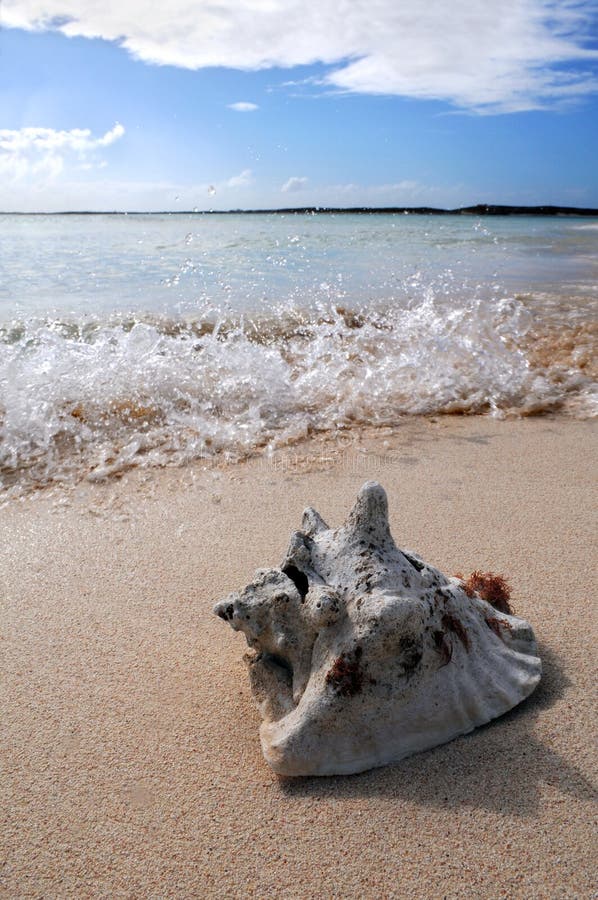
point(130, 751)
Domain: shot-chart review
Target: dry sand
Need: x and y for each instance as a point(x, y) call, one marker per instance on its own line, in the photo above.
point(130, 752)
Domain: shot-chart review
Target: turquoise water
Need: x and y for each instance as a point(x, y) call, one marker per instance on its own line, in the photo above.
point(142, 340)
point(178, 264)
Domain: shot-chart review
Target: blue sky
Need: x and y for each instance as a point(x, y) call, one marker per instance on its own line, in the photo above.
point(248, 103)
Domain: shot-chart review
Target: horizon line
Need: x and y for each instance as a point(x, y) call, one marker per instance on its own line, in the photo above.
point(488, 209)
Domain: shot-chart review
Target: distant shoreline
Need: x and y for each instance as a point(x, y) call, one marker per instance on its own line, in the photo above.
point(481, 209)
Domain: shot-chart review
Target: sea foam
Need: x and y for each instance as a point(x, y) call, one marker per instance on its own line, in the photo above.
point(88, 398)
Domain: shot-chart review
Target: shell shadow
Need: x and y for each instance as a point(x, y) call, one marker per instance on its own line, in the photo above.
point(500, 767)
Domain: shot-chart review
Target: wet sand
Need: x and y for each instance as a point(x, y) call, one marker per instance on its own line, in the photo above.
point(130, 751)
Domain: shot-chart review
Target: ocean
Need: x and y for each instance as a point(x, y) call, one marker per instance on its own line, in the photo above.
point(144, 340)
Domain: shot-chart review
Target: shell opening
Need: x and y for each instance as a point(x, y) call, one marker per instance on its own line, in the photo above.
point(298, 578)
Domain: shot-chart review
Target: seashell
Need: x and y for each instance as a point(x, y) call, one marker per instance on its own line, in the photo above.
point(366, 654)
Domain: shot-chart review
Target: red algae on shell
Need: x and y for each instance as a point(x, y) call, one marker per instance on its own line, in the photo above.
point(494, 589)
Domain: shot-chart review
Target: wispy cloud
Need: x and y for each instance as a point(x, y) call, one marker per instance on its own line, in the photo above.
point(295, 183)
point(477, 55)
point(244, 179)
point(42, 153)
point(243, 106)
point(407, 192)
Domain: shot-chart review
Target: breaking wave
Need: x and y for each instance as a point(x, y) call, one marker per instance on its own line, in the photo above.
point(92, 398)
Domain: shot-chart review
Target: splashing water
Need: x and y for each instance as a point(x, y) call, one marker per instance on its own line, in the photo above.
point(92, 395)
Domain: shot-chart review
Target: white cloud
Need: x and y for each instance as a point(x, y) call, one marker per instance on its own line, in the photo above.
point(407, 192)
point(244, 179)
point(243, 106)
point(475, 54)
point(40, 153)
point(49, 140)
point(294, 183)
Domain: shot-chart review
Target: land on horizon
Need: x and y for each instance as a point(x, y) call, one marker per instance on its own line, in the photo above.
point(480, 209)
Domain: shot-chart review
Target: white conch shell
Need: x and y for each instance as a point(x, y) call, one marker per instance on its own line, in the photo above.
point(367, 654)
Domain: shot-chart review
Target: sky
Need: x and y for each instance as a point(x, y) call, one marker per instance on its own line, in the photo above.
point(244, 104)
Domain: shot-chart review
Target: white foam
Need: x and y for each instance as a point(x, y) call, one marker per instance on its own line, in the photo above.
point(95, 401)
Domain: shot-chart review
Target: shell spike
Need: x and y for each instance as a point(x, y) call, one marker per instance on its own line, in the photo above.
point(312, 522)
point(371, 511)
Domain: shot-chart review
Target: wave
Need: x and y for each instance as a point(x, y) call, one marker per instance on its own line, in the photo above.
point(90, 398)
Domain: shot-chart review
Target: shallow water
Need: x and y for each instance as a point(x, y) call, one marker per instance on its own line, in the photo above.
point(136, 340)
